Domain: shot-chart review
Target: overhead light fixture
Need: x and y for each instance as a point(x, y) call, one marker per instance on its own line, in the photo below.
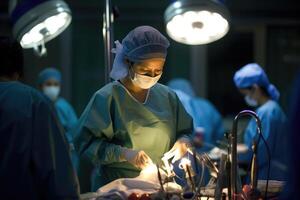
point(36, 22)
point(196, 22)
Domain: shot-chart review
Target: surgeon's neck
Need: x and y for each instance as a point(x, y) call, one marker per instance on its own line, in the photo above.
point(262, 100)
point(138, 93)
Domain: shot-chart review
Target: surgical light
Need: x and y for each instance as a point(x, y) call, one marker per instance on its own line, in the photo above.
point(36, 22)
point(196, 22)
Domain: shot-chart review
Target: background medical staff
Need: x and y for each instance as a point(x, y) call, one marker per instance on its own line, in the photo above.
point(49, 81)
point(204, 114)
point(253, 83)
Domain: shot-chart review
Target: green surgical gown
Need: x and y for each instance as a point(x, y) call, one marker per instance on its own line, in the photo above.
point(114, 119)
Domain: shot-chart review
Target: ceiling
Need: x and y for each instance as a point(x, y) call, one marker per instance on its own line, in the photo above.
point(237, 7)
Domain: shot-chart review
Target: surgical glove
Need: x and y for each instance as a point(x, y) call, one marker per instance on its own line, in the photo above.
point(179, 149)
point(137, 158)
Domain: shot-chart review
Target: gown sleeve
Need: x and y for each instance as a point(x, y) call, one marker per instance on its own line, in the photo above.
point(96, 131)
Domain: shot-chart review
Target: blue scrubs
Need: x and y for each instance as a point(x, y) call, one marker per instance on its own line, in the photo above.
point(204, 115)
point(274, 129)
point(35, 162)
point(66, 116)
point(68, 120)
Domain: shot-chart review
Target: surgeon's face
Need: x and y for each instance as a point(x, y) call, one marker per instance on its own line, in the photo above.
point(251, 95)
point(251, 92)
point(151, 67)
point(51, 88)
point(245, 92)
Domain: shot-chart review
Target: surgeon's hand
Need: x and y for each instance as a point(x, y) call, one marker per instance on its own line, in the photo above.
point(179, 149)
point(137, 158)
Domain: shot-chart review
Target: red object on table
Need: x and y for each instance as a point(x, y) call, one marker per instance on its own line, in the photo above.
point(134, 196)
point(145, 197)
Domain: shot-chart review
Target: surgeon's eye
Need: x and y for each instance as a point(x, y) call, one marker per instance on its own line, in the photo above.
point(158, 72)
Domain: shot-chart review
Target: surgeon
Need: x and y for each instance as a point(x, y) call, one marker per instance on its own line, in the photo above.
point(205, 115)
point(34, 160)
point(133, 121)
point(259, 93)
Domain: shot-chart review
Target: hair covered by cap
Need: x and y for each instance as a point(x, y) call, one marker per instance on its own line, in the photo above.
point(49, 73)
point(145, 42)
point(142, 43)
point(252, 74)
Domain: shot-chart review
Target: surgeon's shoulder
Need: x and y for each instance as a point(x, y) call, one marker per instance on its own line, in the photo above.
point(62, 102)
point(25, 97)
point(27, 92)
point(164, 91)
point(271, 109)
point(107, 90)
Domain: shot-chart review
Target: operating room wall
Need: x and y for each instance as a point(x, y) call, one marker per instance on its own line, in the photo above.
point(283, 58)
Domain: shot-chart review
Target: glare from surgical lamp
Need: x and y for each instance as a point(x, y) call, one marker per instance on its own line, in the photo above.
point(50, 27)
point(196, 22)
point(197, 27)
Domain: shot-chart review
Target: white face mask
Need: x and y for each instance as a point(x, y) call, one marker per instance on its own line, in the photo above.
point(51, 92)
point(143, 81)
point(251, 102)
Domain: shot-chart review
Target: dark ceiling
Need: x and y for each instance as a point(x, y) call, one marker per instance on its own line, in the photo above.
point(278, 8)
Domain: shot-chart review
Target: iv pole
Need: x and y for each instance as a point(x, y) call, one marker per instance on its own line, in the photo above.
point(107, 31)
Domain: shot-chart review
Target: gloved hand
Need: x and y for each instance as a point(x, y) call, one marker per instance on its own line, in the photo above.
point(179, 149)
point(137, 158)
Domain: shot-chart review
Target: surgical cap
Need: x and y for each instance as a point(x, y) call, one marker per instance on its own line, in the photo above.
point(183, 85)
point(142, 43)
point(252, 74)
point(49, 73)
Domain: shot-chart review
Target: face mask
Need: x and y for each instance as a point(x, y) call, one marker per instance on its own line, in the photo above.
point(251, 102)
point(143, 81)
point(51, 92)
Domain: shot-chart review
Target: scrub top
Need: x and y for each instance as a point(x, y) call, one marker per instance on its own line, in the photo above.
point(66, 114)
point(114, 119)
point(274, 130)
point(34, 157)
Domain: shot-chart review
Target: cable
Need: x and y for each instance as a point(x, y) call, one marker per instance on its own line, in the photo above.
point(269, 160)
point(269, 164)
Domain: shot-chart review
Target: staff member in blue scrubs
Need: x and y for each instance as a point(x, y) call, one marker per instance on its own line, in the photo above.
point(49, 81)
point(253, 83)
point(34, 160)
